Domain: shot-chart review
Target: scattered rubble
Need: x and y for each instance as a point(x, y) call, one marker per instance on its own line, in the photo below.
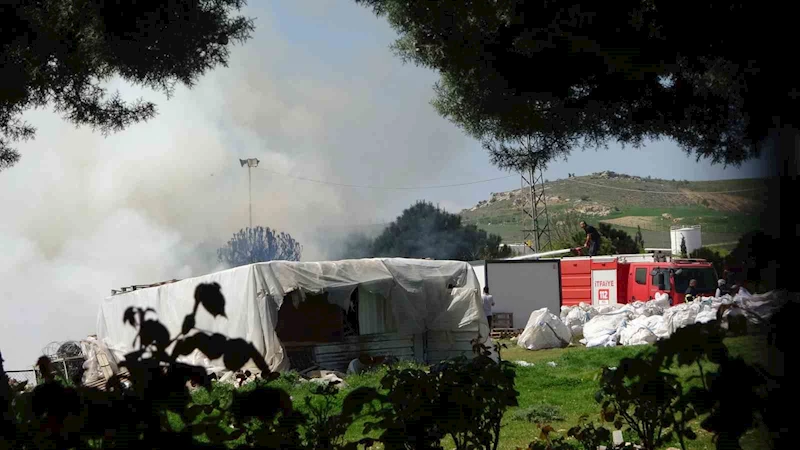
point(593, 209)
point(365, 363)
point(327, 377)
point(609, 174)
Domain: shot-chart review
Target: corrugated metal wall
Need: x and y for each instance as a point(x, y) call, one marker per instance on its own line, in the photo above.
point(431, 347)
point(336, 356)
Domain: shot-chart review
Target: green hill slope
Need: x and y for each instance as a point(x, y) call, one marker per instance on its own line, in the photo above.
point(724, 208)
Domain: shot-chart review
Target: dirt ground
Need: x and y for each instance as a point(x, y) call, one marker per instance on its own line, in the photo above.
point(721, 202)
point(634, 221)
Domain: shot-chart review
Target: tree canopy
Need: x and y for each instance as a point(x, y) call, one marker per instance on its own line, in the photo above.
point(569, 72)
point(259, 244)
point(612, 241)
point(621, 242)
point(426, 231)
point(60, 52)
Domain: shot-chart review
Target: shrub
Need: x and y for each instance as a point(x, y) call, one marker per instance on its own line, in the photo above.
point(461, 398)
point(540, 414)
point(711, 256)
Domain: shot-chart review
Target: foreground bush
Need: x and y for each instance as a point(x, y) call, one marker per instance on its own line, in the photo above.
point(151, 405)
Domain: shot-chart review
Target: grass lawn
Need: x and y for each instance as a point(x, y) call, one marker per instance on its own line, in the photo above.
point(559, 395)
point(571, 385)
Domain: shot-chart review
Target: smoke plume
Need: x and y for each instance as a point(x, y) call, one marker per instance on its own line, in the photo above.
point(83, 214)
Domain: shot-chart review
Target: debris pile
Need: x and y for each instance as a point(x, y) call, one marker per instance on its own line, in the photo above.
point(641, 323)
point(576, 317)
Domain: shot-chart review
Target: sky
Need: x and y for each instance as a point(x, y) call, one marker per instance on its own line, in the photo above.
point(316, 94)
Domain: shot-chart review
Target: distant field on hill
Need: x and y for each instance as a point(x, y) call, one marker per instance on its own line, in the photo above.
point(626, 202)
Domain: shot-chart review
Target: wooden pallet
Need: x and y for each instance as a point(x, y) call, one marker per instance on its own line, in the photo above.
point(505, 333)
point(502, 320)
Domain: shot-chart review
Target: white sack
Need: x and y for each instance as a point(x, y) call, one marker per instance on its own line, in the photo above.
point(609, 308)
point(680, 316)
point(640, 331)
point(544, 330)
point(91, 367)
point(656, 307)
point(577, 318)
point(93, 371)
point(603, 329)
point(637, 307)
point(762, 305)
point(662, 299)
point(610, 340)
point(708, 310)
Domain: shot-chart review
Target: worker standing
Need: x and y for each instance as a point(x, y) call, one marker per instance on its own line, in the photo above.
point(592, 239)
point(691, 291)
point(722, 288)
point(488, 302)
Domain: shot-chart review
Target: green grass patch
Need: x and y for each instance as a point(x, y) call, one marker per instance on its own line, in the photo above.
point(557, 395)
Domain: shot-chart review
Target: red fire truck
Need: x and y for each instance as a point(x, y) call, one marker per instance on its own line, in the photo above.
point(606, 280)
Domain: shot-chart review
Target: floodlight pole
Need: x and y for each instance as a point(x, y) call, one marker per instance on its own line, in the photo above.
point(251, 162)
point(250, 194)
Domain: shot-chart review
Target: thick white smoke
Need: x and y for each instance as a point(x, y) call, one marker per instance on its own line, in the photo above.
point(83, 214)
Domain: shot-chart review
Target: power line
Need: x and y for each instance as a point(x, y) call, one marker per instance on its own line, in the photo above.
point(665, 192)
point(390, 188)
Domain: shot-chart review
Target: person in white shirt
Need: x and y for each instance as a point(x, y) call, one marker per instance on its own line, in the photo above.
point(722, 288)
point(488, 302)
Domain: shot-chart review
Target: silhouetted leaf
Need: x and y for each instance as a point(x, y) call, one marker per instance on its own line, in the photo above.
point(238, 352)
point(598, 397)
point(235, 434)
point(129, 317)
point(19, 387)
point(546, 430)
point(193, 412)
point(270, 376)
point(357, 399)
point(690, 434)
point(212, 346)
point(216, 434)
point(153, 332)
point(210, 296)
point(263, 403)
point(188, 324)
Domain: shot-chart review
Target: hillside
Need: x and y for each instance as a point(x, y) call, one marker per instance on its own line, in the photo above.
point(627, 201)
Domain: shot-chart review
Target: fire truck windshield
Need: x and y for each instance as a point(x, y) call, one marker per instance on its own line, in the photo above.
point(706, 279)
point(666, 281)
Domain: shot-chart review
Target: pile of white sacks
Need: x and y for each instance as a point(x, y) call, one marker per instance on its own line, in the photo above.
point(636, 323)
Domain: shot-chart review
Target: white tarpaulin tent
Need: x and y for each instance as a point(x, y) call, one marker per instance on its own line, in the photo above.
point(417, 291)
point(479, 267)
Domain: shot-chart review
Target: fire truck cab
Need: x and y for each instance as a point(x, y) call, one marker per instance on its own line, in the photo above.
point(607, 280)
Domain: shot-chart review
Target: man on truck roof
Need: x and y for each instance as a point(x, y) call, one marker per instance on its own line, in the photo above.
point(592, 239)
